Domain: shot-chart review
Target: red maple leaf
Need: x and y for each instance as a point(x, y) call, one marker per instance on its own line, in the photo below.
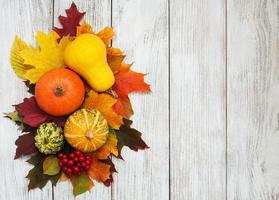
point(25, 145)
point(127, 81)
point(69, 23)
point(33, 116)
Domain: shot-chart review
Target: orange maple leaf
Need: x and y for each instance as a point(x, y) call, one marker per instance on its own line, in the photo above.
point(115, 58)
point(84, 28)
point(103, 103)
point(103, 153)
point(125, 66)
point(123, 107)
point(106, 35)
point(99, 170)
point(127, 81)
point(63, 177)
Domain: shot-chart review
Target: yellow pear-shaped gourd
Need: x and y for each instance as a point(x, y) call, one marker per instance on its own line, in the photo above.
point(87, 56)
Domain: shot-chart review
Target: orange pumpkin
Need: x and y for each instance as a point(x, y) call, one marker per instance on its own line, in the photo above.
point(59, 92)
point(86, 130)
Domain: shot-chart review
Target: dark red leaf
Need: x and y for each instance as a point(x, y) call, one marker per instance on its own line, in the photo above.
point(25, 145)
point(31, 87)
point(33, 116)
point(69, 23)
point(129, 137)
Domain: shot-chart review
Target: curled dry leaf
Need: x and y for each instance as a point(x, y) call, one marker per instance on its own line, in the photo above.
point(115, 58)
point(84, 28)
point(106, 35)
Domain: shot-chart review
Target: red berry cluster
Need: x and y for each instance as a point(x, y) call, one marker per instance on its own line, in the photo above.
point(74, 163)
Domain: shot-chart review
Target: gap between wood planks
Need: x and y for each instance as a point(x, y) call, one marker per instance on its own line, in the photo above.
point(113, 197)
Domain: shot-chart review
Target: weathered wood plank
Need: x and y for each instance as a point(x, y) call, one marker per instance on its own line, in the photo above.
point(142, 33)
point(98, 14)
point(198, 99)
point(23, 18)
point(253, 81)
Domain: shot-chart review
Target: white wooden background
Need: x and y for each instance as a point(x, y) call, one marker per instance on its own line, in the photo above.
point(212, 118)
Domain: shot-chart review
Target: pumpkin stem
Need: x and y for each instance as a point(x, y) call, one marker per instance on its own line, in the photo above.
point(89, 134)
point(59, 91)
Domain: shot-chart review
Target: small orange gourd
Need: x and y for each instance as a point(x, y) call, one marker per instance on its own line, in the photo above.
point(86, 130)
point(59, 92)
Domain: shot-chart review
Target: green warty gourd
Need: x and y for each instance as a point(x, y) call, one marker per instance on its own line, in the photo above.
point(49, 138)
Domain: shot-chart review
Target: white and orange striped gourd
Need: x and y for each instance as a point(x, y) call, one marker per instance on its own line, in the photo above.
point(86, 130)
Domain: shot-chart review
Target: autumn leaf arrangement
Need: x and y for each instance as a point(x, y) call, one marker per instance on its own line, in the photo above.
point(76, 119)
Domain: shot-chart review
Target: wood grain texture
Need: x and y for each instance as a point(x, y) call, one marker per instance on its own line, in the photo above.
point(21, 18)
point(253, 81)
point(213, 121)
point(198, 99)
point(142, 33)
point(98, 14)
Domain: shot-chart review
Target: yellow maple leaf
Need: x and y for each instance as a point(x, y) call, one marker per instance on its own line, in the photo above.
point(103, 103)
point(84, 28)
point(109, 148)
point(48, 56)
point(106, 35)
point(112, 144)
point(16, 59)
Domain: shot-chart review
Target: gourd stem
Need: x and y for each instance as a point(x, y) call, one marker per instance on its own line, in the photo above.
point(89, 134)
point(59, 91)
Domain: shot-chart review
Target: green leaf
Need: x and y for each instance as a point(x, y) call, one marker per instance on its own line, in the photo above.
point(14, 116)
point(51, 166)
point(80, 184)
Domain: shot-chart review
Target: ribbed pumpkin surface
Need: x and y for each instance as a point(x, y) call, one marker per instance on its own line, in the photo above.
point(86, 130)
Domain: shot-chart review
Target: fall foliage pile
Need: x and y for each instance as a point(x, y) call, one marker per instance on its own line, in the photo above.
point(110, 111)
